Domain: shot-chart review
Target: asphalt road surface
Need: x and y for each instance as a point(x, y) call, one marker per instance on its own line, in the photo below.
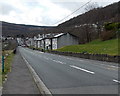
point(70, 75)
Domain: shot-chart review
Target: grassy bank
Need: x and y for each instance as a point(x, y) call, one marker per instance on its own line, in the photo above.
point(7, 62)
point(109, 47)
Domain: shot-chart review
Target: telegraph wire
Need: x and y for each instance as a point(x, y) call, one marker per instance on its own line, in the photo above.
point(72, 12)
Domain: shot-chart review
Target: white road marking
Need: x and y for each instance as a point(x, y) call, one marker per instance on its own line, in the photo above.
point(109, 67)
point(46, 58)
point(81, 60)
point(113, 66)
point(41, 86)
point(41, 52)
point(116, 81)
point(54, 60)
point(25, 60)
point(88, 61)
point(59, 61)
point(82, 69)
point(69, 58)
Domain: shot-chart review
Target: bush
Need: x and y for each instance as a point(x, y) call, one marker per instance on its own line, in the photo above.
point(118, 33)
point(112, 26)
point(107, 35)
point(111, 31)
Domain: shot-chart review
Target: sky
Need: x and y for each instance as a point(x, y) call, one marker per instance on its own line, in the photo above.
point(43, 12)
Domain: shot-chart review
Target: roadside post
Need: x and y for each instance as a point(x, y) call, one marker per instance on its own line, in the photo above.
point(2, 63)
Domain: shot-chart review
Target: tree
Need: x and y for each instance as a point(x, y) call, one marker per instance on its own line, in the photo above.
point(91, 6)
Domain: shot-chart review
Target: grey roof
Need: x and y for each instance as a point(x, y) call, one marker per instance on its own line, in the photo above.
point(59, 35)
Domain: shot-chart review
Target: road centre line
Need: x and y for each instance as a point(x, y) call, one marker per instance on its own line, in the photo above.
point(68, 58)
point(54, 60)
point(86, 61)
point(46, 58)
point(82, 69)
point(76, 67)
point(116, 81)
point(112, 66)
point(58, 61)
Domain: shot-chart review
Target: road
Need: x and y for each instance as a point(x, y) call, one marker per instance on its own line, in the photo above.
point(70, 75)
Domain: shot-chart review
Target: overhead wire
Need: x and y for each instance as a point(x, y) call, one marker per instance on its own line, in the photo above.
point(73, 12)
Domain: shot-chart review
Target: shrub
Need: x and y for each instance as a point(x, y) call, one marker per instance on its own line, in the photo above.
point(106, 35)
point(111, 31)
point(112, 26)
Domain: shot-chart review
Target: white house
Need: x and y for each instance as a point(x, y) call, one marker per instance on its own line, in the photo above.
point(56, 41)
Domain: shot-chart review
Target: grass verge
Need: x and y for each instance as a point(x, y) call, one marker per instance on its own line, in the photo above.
point(7, 63)
point(109, 47)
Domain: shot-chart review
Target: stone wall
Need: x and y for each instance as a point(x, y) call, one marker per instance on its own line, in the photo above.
point(100, 57)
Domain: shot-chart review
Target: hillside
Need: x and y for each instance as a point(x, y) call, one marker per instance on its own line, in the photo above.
point(11, 29)
point(91, 25)
point(109, 47)
point(110, 13)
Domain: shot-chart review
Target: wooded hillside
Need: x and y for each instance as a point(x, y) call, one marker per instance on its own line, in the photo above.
point(11, 29)
point(110, 13)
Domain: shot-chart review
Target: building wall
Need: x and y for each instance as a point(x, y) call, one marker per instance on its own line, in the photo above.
point(42, 44)
point(47, 44)
point(31, 42)
point(66, 39)
point(54, 43)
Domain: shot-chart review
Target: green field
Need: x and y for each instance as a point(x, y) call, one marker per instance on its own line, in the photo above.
point(109, 47)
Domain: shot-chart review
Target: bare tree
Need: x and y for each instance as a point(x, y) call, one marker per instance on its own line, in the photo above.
point(91, 6)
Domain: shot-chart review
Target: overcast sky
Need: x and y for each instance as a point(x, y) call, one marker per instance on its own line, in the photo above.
point(42, 12)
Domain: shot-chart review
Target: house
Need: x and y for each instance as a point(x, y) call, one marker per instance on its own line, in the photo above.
point(64, 39)
point(44, 41)
point(56, 41)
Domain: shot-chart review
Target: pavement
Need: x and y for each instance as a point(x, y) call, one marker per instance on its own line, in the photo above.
point(70, 75)
point(0, 91)
point(20, 80)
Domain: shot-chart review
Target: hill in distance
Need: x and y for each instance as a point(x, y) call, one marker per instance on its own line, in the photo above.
point(11, 29)
point(110, 13)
